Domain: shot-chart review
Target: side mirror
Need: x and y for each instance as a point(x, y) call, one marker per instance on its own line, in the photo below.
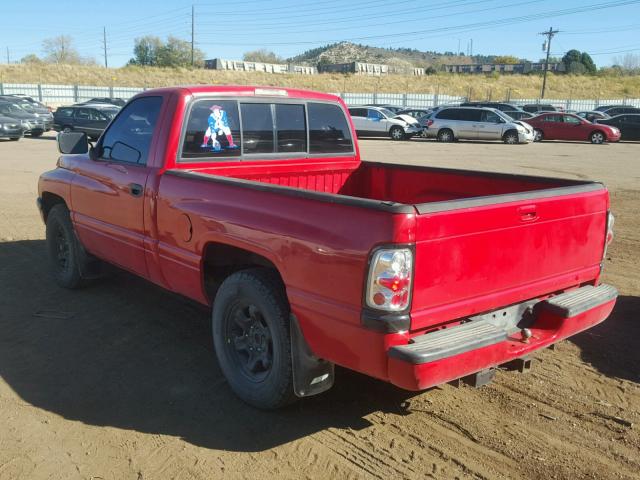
point(73, 143)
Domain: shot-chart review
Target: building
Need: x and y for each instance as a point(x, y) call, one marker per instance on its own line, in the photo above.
point(242, 66)
point(526, 67)
point(358, 68)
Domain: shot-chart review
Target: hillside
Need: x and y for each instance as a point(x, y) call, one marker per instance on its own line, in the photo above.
point(344, 52)
point(480, 87)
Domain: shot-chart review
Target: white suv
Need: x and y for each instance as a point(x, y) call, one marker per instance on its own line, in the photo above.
point(380, 122)
point(474, 123)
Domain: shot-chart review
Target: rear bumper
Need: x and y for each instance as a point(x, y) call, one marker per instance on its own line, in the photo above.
point(493, 339)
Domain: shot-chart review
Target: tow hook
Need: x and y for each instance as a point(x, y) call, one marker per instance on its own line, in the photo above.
point(526, 335)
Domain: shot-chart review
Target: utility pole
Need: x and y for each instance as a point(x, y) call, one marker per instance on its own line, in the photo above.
point(104, 42)
point(549, 36)
point(472, 47)
point(193, 16)
point(458, 51)
point(8, 60)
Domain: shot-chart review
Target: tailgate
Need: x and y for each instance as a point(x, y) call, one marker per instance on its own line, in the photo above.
point(479, 254)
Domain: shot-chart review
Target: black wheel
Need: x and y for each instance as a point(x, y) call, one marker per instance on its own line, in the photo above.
point(538, 136)
point(14, 139)
point(396, 133)
point(597, 137)
point(510, 137)
point(63, 246)
point(67, 128)
point(445, 135)
point(37, 133)
point(251, 336)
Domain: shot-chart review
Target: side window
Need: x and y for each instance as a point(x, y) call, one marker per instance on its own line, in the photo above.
point(553, 118)
point(96, 115)
point(291, 128)
point(213, 127)
point(470, 115)
point(83, 113)
point(64, 112)
point(490, 117)
point(128, 138)
point(448, 114)
point(358, 112)
point(257, 128)
point(374, 115)
point(571, 120)
point(328, 129)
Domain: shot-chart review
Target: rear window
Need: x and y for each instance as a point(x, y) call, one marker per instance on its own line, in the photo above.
point(64, 112)
point(291, 128)
point(257, 128)
point(328, 129)
point(213, 128)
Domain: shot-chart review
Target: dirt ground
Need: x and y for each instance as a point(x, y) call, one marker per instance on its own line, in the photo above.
point(119, 381)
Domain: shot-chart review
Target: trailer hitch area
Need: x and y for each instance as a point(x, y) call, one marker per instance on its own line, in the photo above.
point(522, 365)
point(476, 380)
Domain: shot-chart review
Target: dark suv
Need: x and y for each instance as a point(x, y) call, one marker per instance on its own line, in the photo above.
point(502, 106)
point(90, 119)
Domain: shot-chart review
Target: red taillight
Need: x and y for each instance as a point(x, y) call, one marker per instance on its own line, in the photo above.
point(429, 123)
point(389, 281)
point(609, 234)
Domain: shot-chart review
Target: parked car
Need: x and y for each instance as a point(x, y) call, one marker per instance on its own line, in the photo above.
point(391, 108)
point(476, 123)
point(613, 111)
point(416, 113)
point(502, 106)
point(90, 119)
point(37, 110)
point(118, 102)
point(518, 114)
point(380, 122)
point(310, 257)
point(11, 128)
point(567, 126)
point(32, 123)
point(629, 125)
point(602, 108)
point(538, 107)
point(35, 103)
point(592, 115)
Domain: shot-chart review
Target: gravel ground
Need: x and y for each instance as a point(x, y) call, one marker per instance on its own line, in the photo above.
point(120, 381)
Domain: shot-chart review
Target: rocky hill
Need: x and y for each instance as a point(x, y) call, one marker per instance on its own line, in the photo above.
point(344, 52)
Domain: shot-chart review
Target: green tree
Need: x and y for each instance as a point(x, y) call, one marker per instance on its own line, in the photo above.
point(578, 63)
point(506, 59)
point(145, 51)
point(31, 58)
point(588, 63)
point(262, 55)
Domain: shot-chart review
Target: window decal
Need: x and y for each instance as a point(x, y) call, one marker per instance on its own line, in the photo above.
point(218, 127)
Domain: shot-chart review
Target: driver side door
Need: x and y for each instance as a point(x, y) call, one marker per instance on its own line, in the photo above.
point(108, 194)
point(377, 123)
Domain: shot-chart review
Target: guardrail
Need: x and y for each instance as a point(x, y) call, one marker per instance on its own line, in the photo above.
point(56, 95)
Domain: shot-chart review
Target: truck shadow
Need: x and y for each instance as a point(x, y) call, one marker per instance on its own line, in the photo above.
point(126, 354)
point(612, 346)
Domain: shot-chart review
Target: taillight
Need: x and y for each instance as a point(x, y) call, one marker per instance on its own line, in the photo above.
point(389, 281)
point(429, 123)
point(609, 235)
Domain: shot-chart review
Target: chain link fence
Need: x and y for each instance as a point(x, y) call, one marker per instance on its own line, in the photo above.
point(56, 95)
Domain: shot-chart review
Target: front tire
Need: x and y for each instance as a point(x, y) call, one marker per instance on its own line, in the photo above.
point(597, 137)
point(396, 133)
point(445, 135)
point(511, 137)
point(63, 248)
point(250, 324)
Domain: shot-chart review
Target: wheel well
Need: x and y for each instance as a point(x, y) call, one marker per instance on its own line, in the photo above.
point(598, 131)
point(511, 130)
point(221, 260)
point(48, 202)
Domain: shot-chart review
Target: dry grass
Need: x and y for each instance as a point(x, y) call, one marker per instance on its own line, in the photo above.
point(478, 87)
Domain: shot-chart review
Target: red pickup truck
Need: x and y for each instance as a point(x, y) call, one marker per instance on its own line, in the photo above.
point(254, 200)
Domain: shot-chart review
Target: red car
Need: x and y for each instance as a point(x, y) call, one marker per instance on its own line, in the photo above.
point(567, 126)
point(254, 202)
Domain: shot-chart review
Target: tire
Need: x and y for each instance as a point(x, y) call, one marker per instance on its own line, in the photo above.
point(597, 137)
point(511, 137)
point(63, 248)
point(37, 133)
point(14, 139)
point(423, 133)
point(67, 129)
point(251, 314)
point(445, 135)
point(396, 133)
point(538, 136)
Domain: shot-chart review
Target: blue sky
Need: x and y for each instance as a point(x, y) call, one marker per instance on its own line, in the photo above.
point(605, 29)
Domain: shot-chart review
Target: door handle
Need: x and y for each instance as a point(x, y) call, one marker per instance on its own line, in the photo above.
point(135, 189)
point(528, 213)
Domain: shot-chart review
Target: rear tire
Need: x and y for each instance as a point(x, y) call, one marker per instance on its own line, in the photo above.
point(445, 135)
point(250, 324)
point(63, 248)
point(37, 133)
point(396, 133)
point(597, 137)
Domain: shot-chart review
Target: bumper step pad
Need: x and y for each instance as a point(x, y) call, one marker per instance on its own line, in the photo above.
point(495, 327)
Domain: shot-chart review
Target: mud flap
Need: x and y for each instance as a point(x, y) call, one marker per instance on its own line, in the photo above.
point(311, 375)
